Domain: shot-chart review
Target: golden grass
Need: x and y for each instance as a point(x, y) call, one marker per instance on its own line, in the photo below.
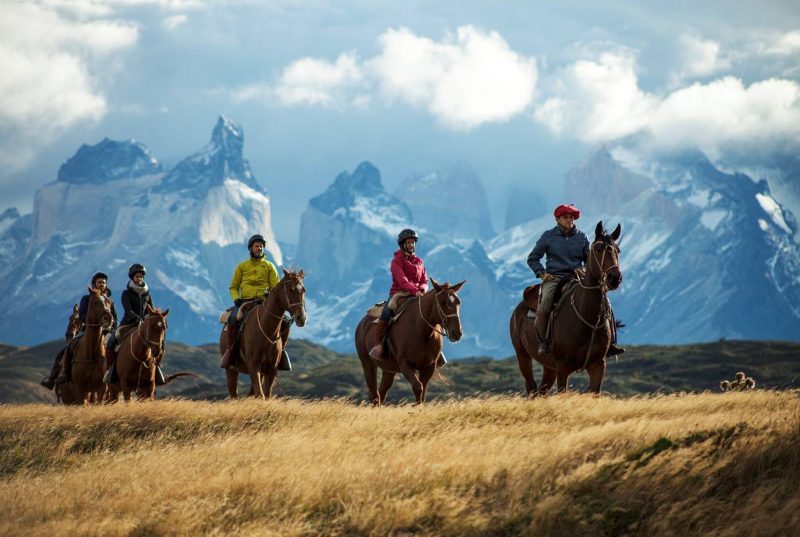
point(708, 464)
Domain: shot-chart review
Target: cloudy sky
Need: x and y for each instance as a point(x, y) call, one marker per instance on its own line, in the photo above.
point(521, 91)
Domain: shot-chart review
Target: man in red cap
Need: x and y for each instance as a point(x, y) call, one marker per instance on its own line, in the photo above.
point(567, 248)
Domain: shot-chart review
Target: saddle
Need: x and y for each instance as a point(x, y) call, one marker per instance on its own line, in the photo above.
point(123, 332)
point(377, 309)
point(530, 296)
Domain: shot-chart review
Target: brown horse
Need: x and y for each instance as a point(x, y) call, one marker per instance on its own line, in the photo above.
point(262, 336)
point(73, 324)
point(139, 354)
point(416, 341)
point(89, 351)
point(581, 329)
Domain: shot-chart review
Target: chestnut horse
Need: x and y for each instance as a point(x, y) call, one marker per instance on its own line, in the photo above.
point(581, 330)
point(262, 336)
point(138, 356)
point(415, 344)
point(89, 351)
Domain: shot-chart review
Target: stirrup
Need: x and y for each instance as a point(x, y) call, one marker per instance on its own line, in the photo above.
point(614, 349)
point(107, 376)
point(376, 352)
point(544, 347)
point(48, 383)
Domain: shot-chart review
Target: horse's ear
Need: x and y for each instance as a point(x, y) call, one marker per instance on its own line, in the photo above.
point(95, 291)
point(457, 287)
point(300, 274)
point(165, 312)
point(435, 284)
point(150, 309)
point(598, 231)
point(75, 308)
point(284, 271)
point(615, 234)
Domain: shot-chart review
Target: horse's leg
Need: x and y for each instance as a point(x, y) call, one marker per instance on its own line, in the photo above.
point(548, 379)
point(126, 390)
point(596, 373)
point(526, 368)
point(256, 389)
point(268, 381)
point(562, 374)
point(425, 376)
point(232, 376)
point(371, 378)
point(413, 379)
point(387, 379)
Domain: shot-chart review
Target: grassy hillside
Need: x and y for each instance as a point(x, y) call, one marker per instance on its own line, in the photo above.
point(319, 372)
point(575, 465)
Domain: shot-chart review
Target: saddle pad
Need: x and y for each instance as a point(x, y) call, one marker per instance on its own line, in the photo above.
point(376, 310)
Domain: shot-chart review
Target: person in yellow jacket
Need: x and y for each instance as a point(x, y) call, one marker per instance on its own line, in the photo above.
point(252, 278)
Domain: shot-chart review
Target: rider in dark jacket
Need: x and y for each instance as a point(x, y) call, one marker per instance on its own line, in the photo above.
point(100, 282)
point(567, 249)
point(135, 299)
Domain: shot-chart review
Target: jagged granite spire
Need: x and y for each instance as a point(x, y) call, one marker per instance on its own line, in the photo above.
point(218, 161)
point(108, 160)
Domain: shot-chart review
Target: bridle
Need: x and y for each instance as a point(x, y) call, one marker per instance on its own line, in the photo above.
point(292, 316)
point(153, 346)
point(604, 315)
point(442, 315)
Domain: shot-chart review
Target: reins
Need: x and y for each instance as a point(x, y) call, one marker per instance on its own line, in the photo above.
point(605, 312)
point(442, 316)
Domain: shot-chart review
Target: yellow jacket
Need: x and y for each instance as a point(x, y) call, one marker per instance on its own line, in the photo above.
point(252, 278)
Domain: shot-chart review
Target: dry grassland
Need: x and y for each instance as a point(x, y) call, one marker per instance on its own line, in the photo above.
point(707, 464)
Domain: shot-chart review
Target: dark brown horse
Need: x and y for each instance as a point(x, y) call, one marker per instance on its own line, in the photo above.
point(73, 324)
point(89, 353)
point(262, 336)
point(139, 354)
point(582, 327)
point(415, 344)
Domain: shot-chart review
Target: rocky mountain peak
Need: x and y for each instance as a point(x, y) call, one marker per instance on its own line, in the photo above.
point(364, 182)
point(108, 160)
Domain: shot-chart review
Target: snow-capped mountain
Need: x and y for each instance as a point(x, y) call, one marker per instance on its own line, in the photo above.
point(113, 205)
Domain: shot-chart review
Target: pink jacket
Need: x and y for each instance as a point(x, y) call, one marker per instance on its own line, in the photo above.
point(408, 274)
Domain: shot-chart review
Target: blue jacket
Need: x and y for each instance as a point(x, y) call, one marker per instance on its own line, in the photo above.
point(565, 252)
point(83, 309)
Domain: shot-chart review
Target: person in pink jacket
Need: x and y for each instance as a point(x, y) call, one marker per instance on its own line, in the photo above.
point(408, 279)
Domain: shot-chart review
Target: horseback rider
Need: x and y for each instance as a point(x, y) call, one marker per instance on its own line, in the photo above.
point(135, 299)
point(567, 249)
point(253, 278)
point(99, 282)
point(409, 278)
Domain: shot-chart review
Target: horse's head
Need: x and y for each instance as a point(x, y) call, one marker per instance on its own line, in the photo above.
point(447, 307)
point(155, 329)
point(603, 262)
point(295, 295)
point(99, 311)
point(73, 323)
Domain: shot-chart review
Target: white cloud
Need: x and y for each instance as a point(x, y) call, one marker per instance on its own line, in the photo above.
point(174, 21)
point(597, 100)
point(48, 83)
point(700, 57)
point(312, 81)
point(725, 116)
point(785, 44)
point(468, 79)
point(600, 101)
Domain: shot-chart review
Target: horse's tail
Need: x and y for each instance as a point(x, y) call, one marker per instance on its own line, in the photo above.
point(170, 378)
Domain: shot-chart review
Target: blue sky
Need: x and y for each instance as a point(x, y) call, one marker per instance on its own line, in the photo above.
point(521, 91)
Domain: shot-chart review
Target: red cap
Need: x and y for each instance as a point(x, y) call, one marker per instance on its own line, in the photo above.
point(562, 210)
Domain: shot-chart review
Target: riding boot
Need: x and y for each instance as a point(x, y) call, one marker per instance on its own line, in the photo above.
point(614, 349)
point(160, 380)
point(49, 381)
point(541, 333)
point(227, 358)
point(284, 364)
point(376, 351)
point(64, 376)
point(441, 361)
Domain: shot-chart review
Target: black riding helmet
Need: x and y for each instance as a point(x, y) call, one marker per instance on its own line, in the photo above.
point(256, 238)
point(97, 275)
point(136, 267)
point(406, 234)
